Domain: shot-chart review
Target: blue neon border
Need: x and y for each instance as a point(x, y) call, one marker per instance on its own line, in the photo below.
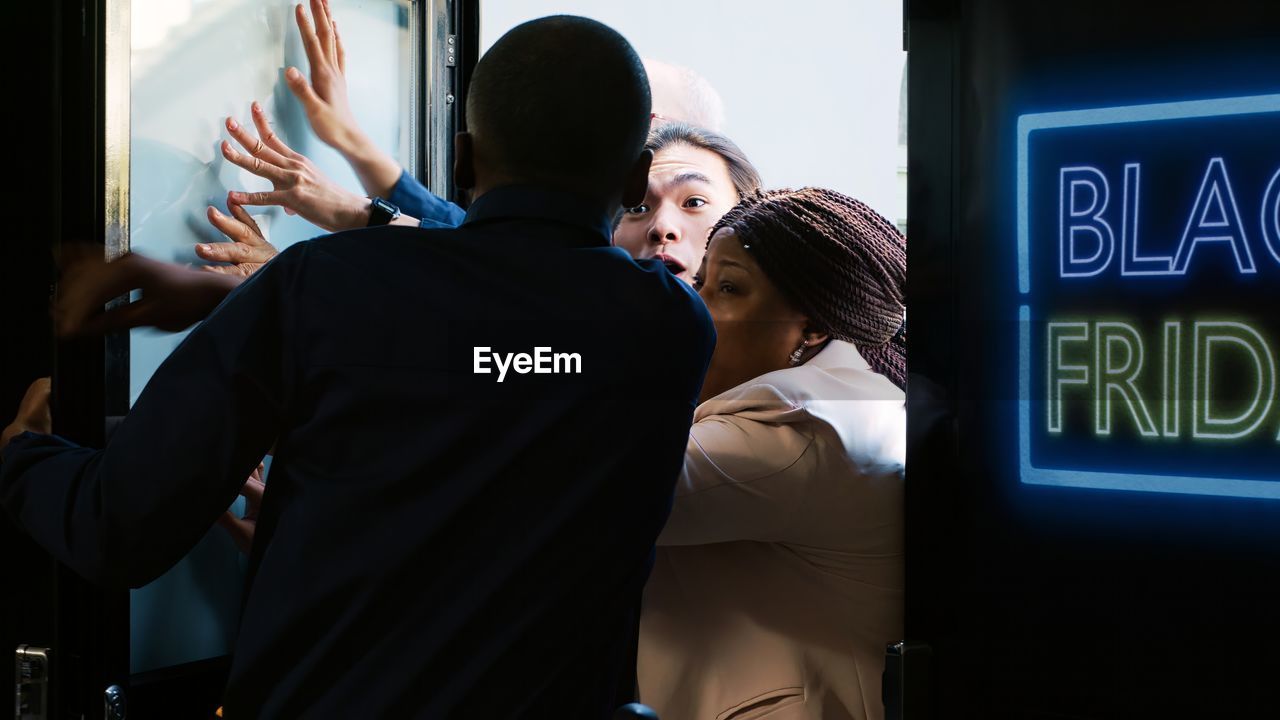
point(1223, 107)
point(1028, 473)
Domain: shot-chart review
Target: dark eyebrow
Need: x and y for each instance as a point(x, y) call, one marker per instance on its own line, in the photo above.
point(691, 176)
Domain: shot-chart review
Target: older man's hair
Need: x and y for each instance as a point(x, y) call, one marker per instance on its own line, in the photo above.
point(560, 101)
point(683, 95)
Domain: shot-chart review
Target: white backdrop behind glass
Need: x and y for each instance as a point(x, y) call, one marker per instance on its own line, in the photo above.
point(812, 89)
point(194, 63)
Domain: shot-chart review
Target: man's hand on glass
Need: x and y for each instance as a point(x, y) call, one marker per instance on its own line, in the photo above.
point(298, 186)
point(324, 100)
point(248, 250)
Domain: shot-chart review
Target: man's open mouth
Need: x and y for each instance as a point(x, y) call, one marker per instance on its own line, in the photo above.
point(673, 265)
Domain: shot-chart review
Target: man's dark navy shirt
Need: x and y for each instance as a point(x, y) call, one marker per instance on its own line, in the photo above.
point(433, 542)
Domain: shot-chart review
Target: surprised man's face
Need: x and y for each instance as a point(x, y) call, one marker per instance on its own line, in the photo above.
point(689, 190)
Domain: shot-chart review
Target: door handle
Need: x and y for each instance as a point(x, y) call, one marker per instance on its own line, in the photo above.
point(114, 706)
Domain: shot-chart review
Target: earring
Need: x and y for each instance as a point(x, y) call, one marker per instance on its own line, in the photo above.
point(795, 356)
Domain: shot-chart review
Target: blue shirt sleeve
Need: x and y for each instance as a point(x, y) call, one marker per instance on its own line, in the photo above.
point(415, 200)
point(125, 514)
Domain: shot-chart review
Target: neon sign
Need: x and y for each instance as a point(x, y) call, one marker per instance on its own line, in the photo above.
point(1148, 280)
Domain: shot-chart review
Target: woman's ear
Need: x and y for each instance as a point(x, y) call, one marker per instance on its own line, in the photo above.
point(464, 161)
point(814, 342)
point(814, 338)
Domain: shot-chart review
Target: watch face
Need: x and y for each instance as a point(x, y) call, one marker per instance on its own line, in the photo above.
point(382, 212)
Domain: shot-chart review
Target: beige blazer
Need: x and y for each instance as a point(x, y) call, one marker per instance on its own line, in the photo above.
point(778, 578)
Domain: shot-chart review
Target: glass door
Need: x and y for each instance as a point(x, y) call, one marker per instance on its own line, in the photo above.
point(159, 79)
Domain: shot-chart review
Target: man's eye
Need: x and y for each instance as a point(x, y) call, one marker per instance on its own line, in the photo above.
point(638, 210)
point(726, 288)
point(695, 202)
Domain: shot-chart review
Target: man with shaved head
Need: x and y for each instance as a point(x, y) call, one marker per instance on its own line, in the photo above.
point(477, 430)
point(543, 124)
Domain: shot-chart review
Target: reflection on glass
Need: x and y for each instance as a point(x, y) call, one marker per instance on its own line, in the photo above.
point(193, 63)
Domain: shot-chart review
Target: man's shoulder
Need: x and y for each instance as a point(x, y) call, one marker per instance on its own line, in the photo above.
point(679, 295)
point(395, 250)
point(382, 240)
point(604, 276)
point(657, 306)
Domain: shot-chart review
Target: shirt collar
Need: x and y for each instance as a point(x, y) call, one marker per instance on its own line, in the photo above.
point(537, 203)
point(837, 371)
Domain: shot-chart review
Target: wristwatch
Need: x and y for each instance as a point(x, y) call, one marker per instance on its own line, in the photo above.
point(381, 212)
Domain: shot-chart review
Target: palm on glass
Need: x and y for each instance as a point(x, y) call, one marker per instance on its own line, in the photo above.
point(324, 99)
point(297, 185)
point(248, 250)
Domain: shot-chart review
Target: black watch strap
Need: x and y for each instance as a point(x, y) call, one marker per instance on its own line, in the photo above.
point(381, 212)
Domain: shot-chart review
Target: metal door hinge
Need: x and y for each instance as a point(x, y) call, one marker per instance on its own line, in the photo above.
point(31, 676)
point(905, 687)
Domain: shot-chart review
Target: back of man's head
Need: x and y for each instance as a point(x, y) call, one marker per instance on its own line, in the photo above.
point(561, 101)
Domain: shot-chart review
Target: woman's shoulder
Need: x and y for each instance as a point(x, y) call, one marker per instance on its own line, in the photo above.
point(838, 374)
point(835, 397)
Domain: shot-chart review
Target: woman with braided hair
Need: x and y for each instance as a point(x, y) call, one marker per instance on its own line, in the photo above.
point(779, 576)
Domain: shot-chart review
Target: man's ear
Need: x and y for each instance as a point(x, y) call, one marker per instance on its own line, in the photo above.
point(637, 184)
point(464, 161)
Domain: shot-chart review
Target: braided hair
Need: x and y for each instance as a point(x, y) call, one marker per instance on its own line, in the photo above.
point(837, 261)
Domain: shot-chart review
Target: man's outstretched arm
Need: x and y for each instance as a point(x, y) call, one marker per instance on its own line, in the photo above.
point(125, 514)
point(172, 297)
